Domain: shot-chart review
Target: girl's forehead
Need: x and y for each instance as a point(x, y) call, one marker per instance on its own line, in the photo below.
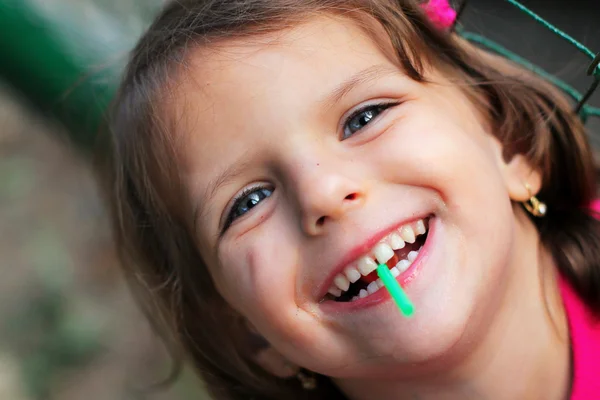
point(326, 37)
point(238, 74)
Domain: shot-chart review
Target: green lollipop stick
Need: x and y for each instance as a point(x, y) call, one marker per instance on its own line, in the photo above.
point(395, 290)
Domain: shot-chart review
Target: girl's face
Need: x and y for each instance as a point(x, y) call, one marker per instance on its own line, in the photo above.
point(304, 150)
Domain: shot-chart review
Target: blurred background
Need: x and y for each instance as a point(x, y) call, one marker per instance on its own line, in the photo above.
point(69, 329)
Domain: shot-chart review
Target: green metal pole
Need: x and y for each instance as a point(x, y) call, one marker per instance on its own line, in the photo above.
point(65, 64)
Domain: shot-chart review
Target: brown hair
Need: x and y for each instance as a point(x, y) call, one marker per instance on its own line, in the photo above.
point(159, 254)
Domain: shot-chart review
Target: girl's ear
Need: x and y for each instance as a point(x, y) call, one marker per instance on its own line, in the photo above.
point(268, 358)
point(274, 363)
point(518, 172)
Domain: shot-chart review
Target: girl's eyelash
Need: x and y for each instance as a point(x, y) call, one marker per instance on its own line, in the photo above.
point(237, 200)
point(382, 106)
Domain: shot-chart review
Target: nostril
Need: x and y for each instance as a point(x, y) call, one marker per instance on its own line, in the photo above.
point(336, 210)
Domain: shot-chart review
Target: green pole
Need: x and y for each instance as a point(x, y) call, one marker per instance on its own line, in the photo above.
point(65, 64)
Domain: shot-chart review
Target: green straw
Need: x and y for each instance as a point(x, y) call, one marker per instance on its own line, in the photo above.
point(392, 285)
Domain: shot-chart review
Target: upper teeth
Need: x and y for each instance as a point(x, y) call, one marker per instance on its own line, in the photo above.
point(380, 254)
point(383, 252)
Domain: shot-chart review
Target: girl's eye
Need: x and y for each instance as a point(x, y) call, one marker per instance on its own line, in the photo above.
point(246, 201)
point(362, 118)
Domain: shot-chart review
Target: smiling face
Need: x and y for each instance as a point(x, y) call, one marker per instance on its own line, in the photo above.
point(309, 147)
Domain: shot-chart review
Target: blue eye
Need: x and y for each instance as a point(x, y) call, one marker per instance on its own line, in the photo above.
point(362, 118)
point(246, 201)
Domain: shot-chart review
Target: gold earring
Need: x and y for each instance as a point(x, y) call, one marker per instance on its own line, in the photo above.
point(533, 205)
point(307, 380)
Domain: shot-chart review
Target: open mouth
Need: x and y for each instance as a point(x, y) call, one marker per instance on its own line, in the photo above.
point(397, 250)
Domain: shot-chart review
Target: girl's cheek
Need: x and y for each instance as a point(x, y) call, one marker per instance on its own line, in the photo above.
point(231, 274)
point(256, 271)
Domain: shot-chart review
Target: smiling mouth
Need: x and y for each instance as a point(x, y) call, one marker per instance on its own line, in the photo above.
point(397, 250)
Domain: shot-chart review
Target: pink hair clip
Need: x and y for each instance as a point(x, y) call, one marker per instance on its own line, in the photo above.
point(440, 13)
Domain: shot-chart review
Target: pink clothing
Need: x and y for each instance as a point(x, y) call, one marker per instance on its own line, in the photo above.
point(595, 205)
point(584, 329)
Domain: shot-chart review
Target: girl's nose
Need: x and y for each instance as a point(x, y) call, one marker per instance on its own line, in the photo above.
point(327, 197)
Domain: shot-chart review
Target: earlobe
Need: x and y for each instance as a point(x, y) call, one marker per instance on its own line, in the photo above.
point(522, 180)
point(275, 364)
point(269, 359)
point(517, 172)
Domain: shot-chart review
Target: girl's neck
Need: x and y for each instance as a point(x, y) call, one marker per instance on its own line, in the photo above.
point(525, 354)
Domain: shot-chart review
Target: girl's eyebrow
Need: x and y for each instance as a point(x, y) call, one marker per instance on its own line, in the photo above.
point(365, 76)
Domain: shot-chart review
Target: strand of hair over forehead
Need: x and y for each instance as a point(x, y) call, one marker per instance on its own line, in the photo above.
point(186, 21)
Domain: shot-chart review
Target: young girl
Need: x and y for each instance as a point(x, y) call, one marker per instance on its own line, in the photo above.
point(268, 154)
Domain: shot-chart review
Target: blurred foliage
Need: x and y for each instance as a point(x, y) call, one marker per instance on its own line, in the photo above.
point(67, 324)
point(48, 334)
point(66, 56)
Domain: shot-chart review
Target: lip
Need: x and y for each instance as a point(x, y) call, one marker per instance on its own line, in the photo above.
point(362, 249)
point(404, 279)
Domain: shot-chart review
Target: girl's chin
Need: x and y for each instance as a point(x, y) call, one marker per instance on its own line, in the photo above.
point(392, 359)
point(393, 347)
point(443, 297)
